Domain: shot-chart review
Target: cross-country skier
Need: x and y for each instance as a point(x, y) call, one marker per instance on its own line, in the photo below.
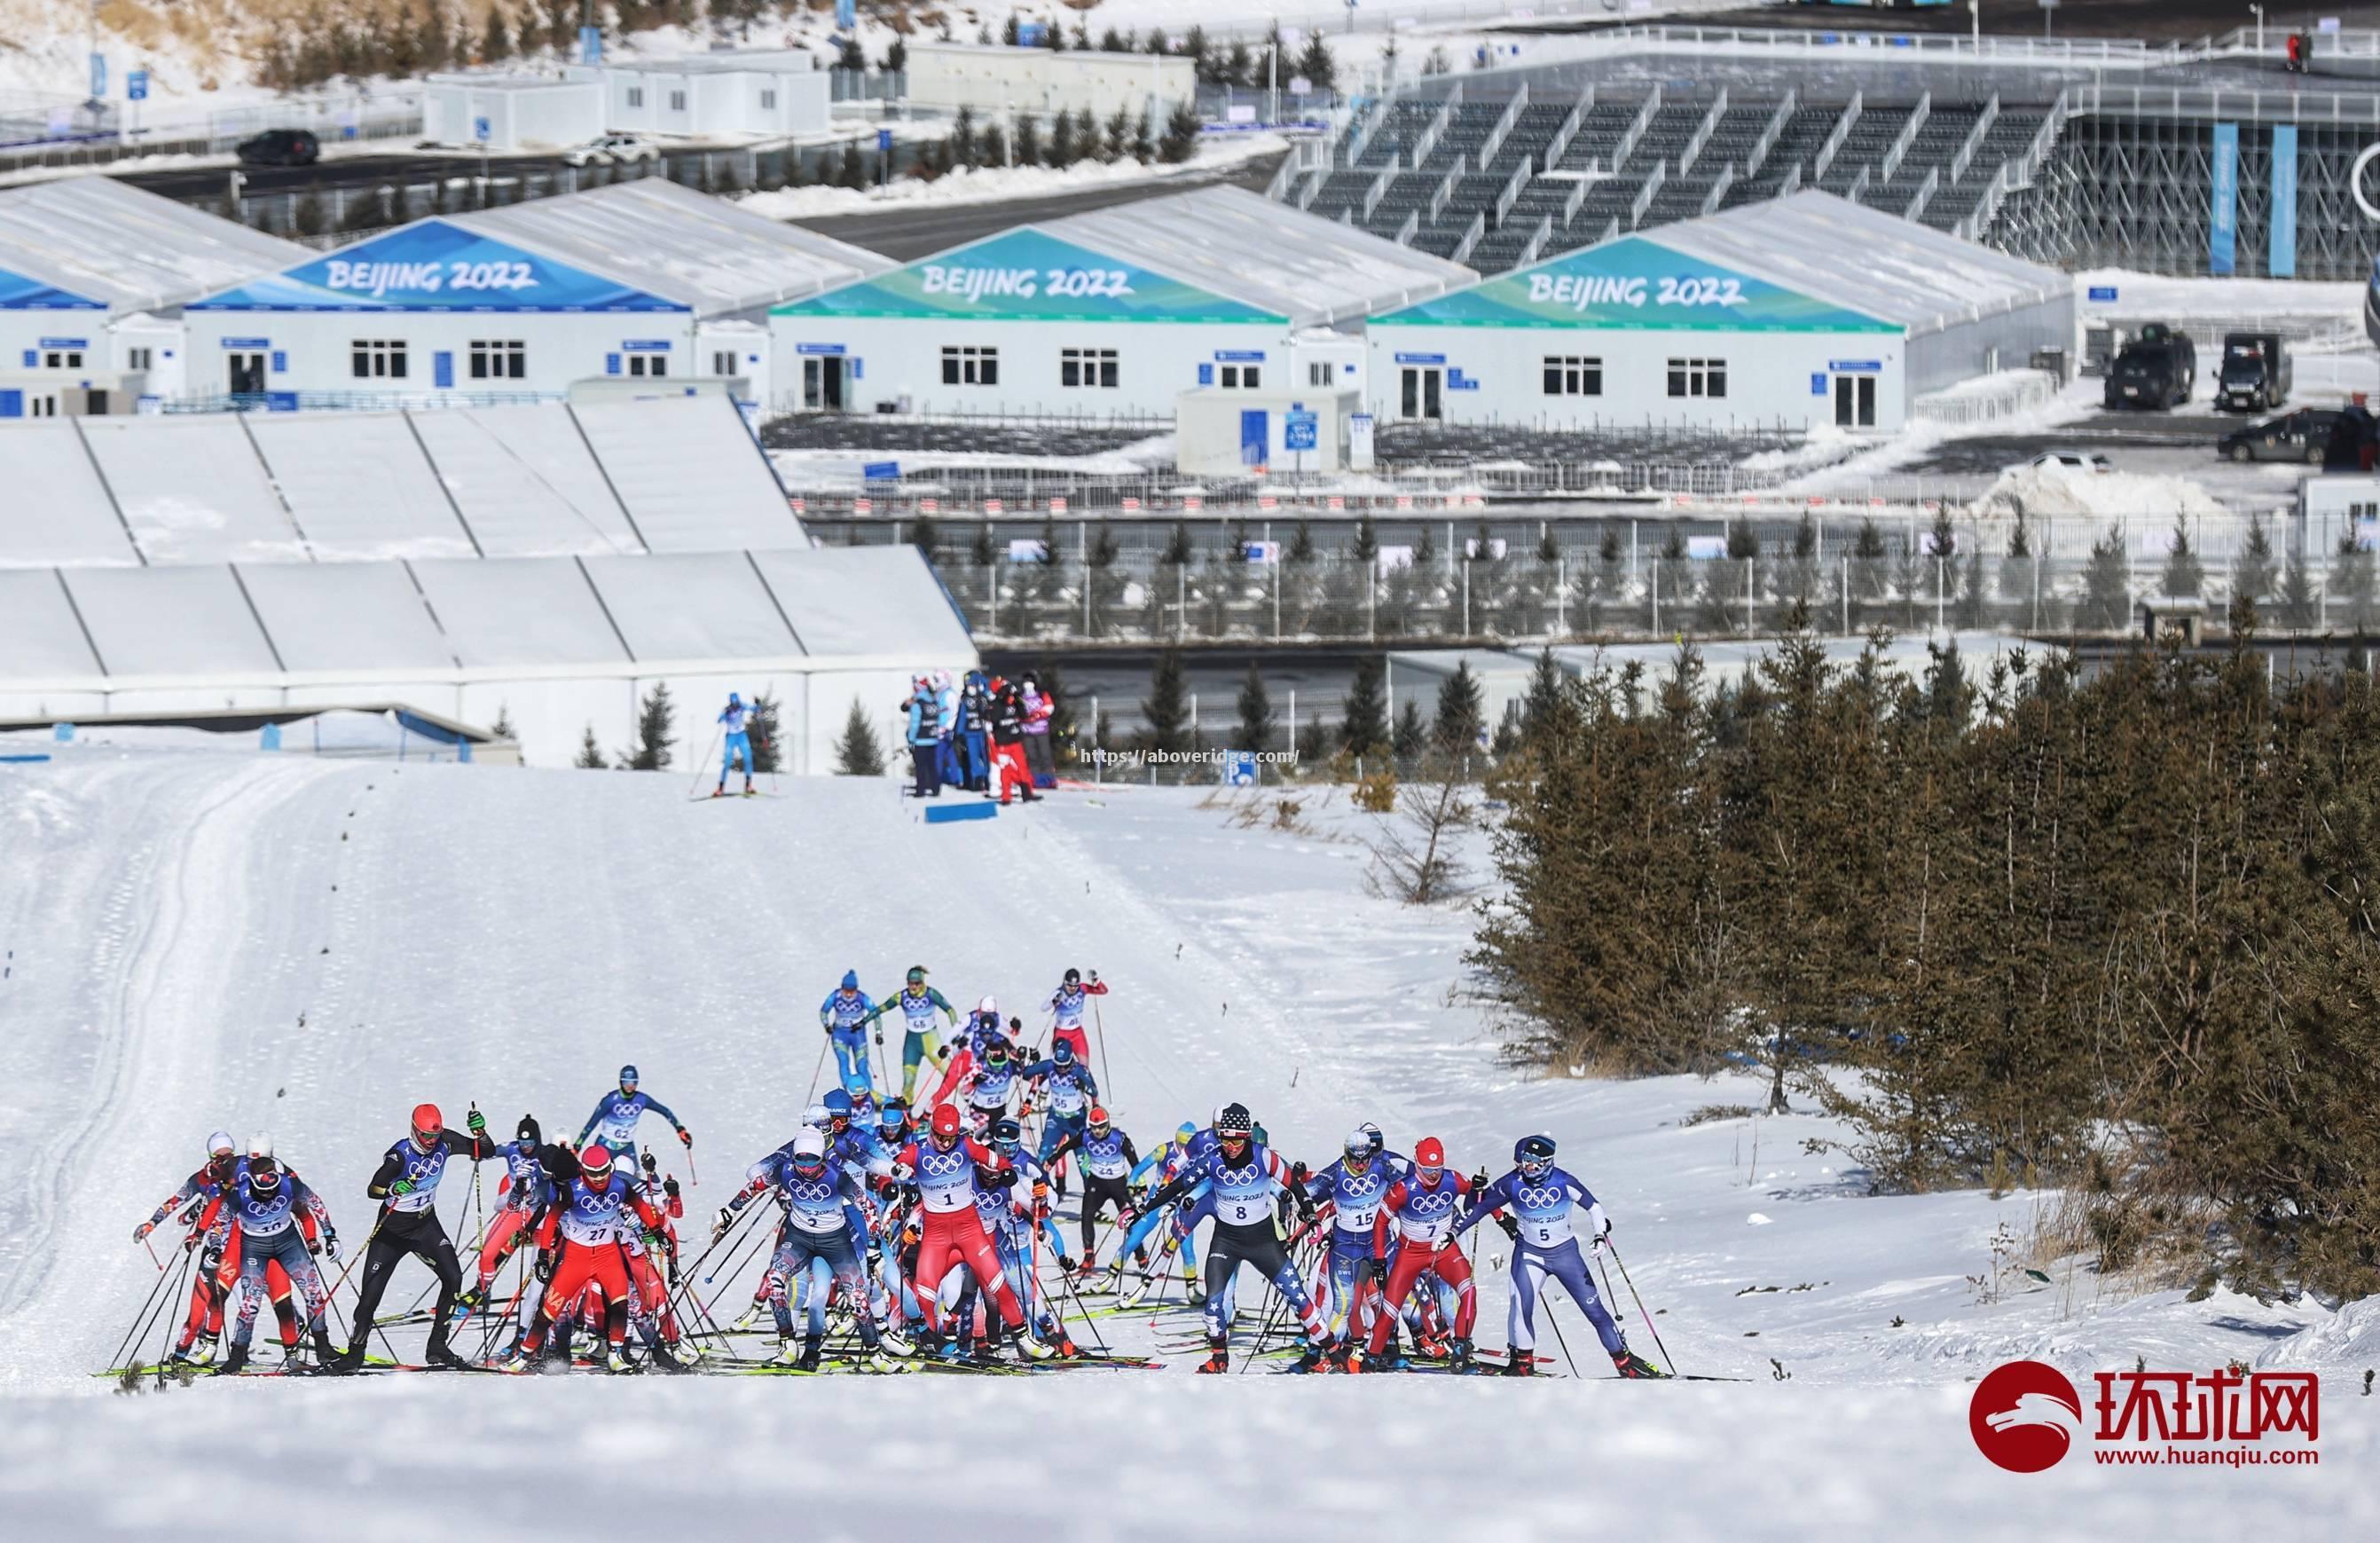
point(581, 1249)
point(1065, 1010)
point(261, 1209)
point(825, 1222)
point(1418, 1216)
point(1065, 1081)
point(947, 1169)
point(1245, 1179)
point(1544, 1246)
point(614, 1124)
point(1108, 1161)
point(843, 1019)
point(526, 1191)
point(1153, 1173)
point(990, 1084)
point(406, 1184)
point(202, 1192)
point(739, 745)
point(1354, 1188)
point(1013, 1222)
point(918, 1003)
point(980, 1028)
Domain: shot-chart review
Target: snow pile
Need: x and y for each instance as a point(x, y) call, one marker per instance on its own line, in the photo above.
point(2347, 1338)
point(2059, 490)
point(1822, 445)
point(995, 184)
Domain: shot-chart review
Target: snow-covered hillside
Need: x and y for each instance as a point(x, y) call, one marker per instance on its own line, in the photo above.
point(197, 939)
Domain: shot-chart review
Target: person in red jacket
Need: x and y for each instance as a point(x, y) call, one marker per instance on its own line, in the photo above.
point(1421, 1208)
point(588, 1225)
point(947, 1171)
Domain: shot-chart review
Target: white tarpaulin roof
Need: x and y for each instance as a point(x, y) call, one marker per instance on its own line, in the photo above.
point(1888, 267)
point(129, 249)
point(697, 605)
point(346, 617)
point(521, 611)
point(39, 633)
point(186, 621)
point(864, 599)
point(680, 245)
point(1270, 255)
point(679, 475)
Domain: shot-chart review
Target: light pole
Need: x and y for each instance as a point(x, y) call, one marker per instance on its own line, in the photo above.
point(2258, 12)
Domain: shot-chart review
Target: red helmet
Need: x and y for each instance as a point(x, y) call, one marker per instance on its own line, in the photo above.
point(595, 1161)
point(1428, 1153)
point(946, 1120)
point(428, 1123)
point(1099, 1116)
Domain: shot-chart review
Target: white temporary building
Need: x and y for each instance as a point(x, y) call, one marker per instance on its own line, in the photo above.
point(775, 93)
point(1800, 310)
point(93, 273)
point(641, 279)
point(996, 82)
point(1113, 311)
point(510, 111)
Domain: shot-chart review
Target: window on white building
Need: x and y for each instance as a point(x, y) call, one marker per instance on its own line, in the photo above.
point(723, 361)
point(1241, 377)
point(1570, 375)
point(648, 364)
point(378, 359)
point(1698, 377)
point(499, 360)
point(677, 101)
point(1087, 367)
point(636, 96)
point(970, 366)
point(768, 102)
point(136, 359)
point(1317, 372)
point(62, 358)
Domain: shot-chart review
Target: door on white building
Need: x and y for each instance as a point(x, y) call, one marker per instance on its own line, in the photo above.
point(1854, 401)
point(1417, 391)
point(823, 383)
point(246, 373)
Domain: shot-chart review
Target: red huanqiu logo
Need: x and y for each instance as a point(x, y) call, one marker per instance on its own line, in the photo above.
point(2027, 1417)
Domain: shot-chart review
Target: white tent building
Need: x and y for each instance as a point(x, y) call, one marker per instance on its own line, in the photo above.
point(1807, 310)
point(548, 564)
point(642, 279)
point(1113, 311)
point(93, 274)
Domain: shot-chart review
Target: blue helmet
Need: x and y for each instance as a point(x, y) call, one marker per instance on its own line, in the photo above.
point(628, 1076)
point(1006, 1134)
point(851, 980)
point(735, 700)
point(838, 1102)
point(1062, 1052)
point(1533, 1155)
point(892, 1116)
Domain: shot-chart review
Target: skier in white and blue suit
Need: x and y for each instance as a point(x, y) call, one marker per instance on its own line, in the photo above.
point(1542, 1196)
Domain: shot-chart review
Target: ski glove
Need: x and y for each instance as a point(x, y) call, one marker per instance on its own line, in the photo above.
point(669, 1187)
point(141, 1233)
point(331, 1242)
point(1511, 1228)
point(726, 1219)
point(477, 1124)
point(544, 1266)
point(1378, 1271)
point(402, 1187)
point(686, 1137)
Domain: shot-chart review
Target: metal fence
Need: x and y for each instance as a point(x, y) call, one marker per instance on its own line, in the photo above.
point(1484, 581)
point(335, 119)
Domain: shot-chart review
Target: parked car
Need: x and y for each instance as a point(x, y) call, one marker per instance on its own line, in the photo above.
point(2255, 374)
point(2073, 461)
point(2303, 435)
point(281, 147)
point(624, 149)
point(2158, 369)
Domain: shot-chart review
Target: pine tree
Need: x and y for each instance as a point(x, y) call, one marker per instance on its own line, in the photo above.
point(2183, 575)
point(306, 217)
point(1364, 726)
point(2299, 611)
point(1180, 136)
point(1157, 43)
point(503, 727)
point(1117, 142)
point(1167, 706)
point(1258, 724)
point(590, 753)
point(1028, 138)
point(855, 167)
point(849, 56)
point(1144, 139)
point(1412, 739)
point(1317, 63)
point(2352, 579)
point(857, 753)
point(1113, 42)
point(1064, 150)
point(1236, 63)
point(1053, 36)
point(1542, 708)
point(2107, 586)
point(1461, 712)
point(656, 723)
point(896, 56)
point(495, 38)
point(2251, 571)
point(764, 726)
point(961, 145)
point(1010, 32)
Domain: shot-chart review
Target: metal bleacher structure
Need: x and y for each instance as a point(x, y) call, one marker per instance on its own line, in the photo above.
point(1500, 182)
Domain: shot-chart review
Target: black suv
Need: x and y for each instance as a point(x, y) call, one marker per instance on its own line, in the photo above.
point(2303, 435)
point(281, 147)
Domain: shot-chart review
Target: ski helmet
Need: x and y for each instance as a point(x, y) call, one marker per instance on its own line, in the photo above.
point(1185, 1134)
point(996, 1050)
point(428, 1126)
point(1074, 978)
point(946, 1123)
point(815, 1116)
point(989, 1006)
point(1357, 1149)
point(627, 1078)
point(595, 1163)
point(1429, 1155)
point(838, 1104)
point(735, 700)
point(260, 1145)
point(1006, 1134)
point(263, 1171)
point(809, 1151)
point(851, 980)
point(1096, 1121)
point(1534, 1156)
point(916, 975)
point(893, 1116)
point(220, 1145)
point(528, 1131)
point(1062, 1052)
point(1232, 1123)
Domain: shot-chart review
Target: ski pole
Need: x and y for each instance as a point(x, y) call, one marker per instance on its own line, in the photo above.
point(1555, 1324)
point(703, 765)
point(182, 1275)
point(1641, 1313)
point(819, 1069)
point(141, 1318)
point(1107, 1083)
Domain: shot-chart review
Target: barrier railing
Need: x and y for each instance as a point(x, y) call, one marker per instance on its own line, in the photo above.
point(1975, 140)
point(1504, 126)
point(1645, 194)
point(1718, 189)
point(1769, 134)
point(1835, 138)
point(1511, 192)
point(1559, 144)
point(1703, 131)
point(1924, 195)
point(1906, 137)
point(1471, 234)
point(1637, 128)
point(1538, 239)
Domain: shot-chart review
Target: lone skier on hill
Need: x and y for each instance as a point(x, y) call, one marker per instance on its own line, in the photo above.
point(738, 746)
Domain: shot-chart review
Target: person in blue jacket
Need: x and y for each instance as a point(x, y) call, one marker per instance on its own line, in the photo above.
point(738, 747)
point(844, 1015)
point(925, 709)
point(1546, 1248)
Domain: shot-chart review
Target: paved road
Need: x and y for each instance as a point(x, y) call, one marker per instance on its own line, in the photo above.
point(906, 233)
point(359, 171)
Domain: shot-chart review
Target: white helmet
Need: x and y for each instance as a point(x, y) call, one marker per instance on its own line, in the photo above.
point(809, 1144)
point(260, 1145)
point(815, 1116)
point(988, 1005)
point(220, 1145)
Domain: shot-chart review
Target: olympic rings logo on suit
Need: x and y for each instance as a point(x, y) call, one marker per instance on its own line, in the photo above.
point(1532, 1198)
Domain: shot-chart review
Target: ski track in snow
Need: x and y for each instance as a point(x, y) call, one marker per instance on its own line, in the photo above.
point(513, 938)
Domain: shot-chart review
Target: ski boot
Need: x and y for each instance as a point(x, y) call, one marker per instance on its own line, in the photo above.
point(1027, 1347)
point(892, 1342)
point(468, 1303)
point(1627, 1363)
point(1195, 1288)
point(809, 1358)
point(444, 1356)
point(787, 1354)
point(1216, 1363)
point(986, 1352)
point(235, 1363)
point(617, 1362)
point(348, 1360)
point(513, 1359)
point(1064, 1346)
point(659, 1356)
point(1519, 1362)
point(1314, 1360)
point(1139, 1293)
point(1387, 1360)
point(1458, 1356)
point(203, 1353)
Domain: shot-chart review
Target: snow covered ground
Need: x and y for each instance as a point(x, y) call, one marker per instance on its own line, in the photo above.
point(994, 184)
point(194, 938)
